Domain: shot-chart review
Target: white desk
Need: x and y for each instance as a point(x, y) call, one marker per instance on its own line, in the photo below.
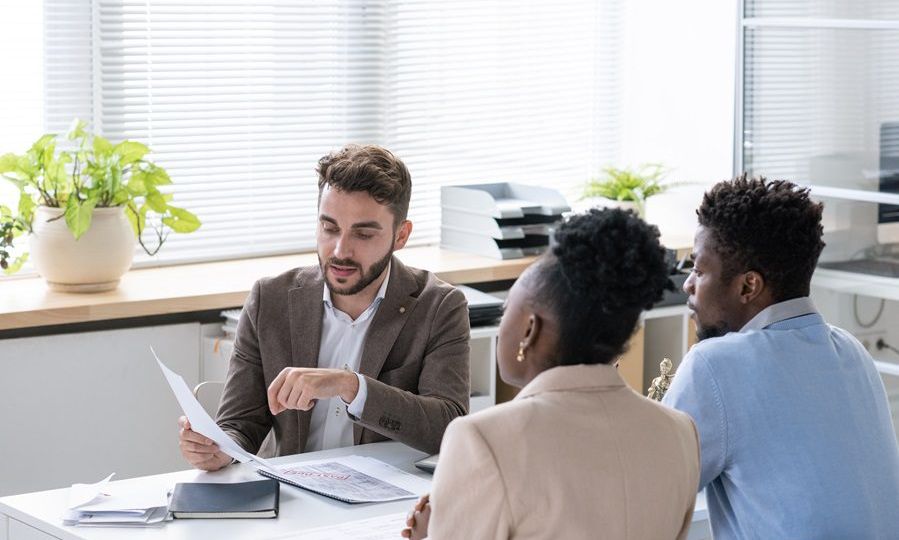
point(36, 516)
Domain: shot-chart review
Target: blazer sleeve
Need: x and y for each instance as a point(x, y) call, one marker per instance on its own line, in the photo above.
point(243, 412)
point(469, 498)
point(419, 419)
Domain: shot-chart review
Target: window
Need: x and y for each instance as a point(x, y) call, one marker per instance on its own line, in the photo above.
point(238, 100)
point(819, 80)
point(21, 115)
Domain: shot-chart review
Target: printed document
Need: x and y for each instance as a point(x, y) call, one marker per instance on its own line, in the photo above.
point(352, 479)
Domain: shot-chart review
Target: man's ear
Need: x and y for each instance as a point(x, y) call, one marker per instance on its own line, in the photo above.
point(402, 234)
point(752, 286)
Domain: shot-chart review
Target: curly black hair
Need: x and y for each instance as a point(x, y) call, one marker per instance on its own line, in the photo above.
point(771, 227)
point(607, 266)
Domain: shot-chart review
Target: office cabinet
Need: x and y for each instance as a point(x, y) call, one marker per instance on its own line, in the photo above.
point(77, 407)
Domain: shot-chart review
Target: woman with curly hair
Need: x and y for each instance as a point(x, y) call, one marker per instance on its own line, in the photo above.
point(577, 454)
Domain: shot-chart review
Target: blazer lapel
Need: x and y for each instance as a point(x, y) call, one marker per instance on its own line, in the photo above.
point(305, 314)
point(387, 324)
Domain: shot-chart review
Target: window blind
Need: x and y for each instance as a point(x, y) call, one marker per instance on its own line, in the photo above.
point(819, 79)
point(502, 91)
point(238, 100)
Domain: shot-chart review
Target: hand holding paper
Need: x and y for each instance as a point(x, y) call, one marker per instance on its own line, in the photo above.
point(201, 423)
point(198, 450)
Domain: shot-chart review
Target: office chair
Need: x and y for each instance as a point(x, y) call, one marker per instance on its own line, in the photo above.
point(209, 394)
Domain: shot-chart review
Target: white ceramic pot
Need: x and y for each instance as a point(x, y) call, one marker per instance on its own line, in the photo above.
point(93, 263)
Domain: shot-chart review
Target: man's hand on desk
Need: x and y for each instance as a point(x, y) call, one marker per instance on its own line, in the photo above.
point(199, 451)
point(298, 388)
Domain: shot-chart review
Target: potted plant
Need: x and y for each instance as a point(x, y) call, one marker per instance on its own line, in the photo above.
point(626, 187)
point(84, 207)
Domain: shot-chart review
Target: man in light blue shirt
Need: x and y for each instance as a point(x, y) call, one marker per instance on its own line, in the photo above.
point(794, 425)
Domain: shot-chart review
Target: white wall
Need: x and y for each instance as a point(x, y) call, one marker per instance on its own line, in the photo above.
point(678, 97)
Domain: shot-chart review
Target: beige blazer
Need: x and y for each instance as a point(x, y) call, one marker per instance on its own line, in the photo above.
point(577, 454)
point(415, 360)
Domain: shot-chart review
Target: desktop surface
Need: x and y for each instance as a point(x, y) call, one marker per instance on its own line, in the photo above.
point(38, 515)
point(300, 509)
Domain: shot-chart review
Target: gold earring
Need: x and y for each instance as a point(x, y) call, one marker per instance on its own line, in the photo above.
point(520, 356)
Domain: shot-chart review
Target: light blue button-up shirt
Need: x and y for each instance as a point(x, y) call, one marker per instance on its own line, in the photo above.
point(795, 430)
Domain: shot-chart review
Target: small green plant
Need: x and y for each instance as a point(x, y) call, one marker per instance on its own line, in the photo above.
point(629, 184)
point(95, 174)
point(10, 228)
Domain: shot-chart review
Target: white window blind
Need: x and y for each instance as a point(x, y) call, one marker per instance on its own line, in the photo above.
point(819, 79)
point(500, 91)
point(238, 100)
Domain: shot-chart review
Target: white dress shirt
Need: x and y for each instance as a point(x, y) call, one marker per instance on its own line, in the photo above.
point(341, 348)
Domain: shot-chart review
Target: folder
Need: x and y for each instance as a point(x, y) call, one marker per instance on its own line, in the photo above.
point(255, 499)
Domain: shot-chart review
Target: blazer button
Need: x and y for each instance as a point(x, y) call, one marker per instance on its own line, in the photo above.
point(402, 309)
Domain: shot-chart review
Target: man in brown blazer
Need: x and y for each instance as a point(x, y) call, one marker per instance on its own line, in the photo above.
point(357, 350)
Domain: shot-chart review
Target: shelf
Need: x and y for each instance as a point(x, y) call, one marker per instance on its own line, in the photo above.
point(855, 283)
point(860, 195)
point(26, 303)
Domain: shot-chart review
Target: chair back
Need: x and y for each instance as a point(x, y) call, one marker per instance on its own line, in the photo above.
point(209, 394)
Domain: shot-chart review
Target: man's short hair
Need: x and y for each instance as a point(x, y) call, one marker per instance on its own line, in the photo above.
point(371, 169)
point(771, 227)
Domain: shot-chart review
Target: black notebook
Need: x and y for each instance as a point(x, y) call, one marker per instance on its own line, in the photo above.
point(256, 499)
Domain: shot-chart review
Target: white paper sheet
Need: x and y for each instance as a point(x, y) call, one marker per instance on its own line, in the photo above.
point(376, 528)
point(81, 494)
point(202, 423)
point(118, 504)
point(136, 497)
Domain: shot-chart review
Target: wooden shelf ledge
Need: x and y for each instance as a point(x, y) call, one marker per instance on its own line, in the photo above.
point(27, 303)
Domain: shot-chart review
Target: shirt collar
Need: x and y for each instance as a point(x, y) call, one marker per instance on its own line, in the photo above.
point(382, 291)
point(780, 311)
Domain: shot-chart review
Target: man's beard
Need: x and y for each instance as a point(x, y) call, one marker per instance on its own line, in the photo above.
point(366, 278)
point(706, 332)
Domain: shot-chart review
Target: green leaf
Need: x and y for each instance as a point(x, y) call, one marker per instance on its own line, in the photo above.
point(136, 217)
point(26, 207)
point(8, 163)
point(16, 265)
point(77, 129)
point(133, 217)
point(78, 215)
point(41, 144)
point(102, 146)
point(156, 176)
point(136, 185)
point(130, 152)
point(157, 202)
point(181, 221)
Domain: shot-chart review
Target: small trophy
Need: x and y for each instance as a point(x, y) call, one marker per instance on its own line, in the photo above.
point(661, 383)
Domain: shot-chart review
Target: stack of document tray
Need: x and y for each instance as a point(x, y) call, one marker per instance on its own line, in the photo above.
point(501, 220)
point(483, 308)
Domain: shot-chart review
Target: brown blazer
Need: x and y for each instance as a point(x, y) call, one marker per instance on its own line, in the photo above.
point(415, 360)
point(577, 454)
